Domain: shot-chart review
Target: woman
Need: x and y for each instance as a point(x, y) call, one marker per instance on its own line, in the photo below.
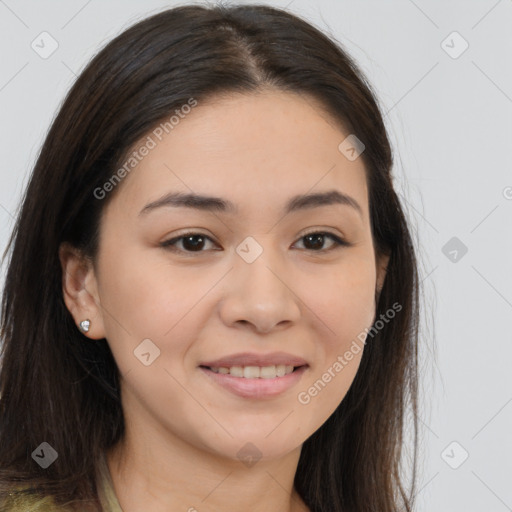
point(212, 299)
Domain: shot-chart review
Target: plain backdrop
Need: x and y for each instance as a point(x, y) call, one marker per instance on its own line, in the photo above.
point(443, 74)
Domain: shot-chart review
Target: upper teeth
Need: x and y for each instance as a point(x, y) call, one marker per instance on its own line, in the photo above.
point(255, 372)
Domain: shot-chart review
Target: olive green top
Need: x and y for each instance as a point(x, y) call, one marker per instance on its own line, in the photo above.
point(19, 501)
point(106, 491)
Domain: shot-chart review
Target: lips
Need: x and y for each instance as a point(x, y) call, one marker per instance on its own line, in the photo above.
point(255, 389)
point(254, 359)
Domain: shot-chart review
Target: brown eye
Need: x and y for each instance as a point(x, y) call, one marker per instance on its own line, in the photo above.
point(191, 242)
point(315, 240)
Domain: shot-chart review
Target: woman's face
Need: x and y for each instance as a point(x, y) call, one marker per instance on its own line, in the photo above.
point(244, 280)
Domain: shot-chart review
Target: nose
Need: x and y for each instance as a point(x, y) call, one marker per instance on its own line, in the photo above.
point(260, 295)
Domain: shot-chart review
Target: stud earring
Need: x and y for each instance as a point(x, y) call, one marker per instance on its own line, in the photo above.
point(84, 326)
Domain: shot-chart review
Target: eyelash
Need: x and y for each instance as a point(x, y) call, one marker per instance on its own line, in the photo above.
point(339, 242)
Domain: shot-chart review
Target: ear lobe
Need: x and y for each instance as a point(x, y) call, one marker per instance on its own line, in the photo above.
point(79, 289)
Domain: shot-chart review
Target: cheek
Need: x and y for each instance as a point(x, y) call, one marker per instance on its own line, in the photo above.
point(146, 298)
point(343, 300)
point(147, 295)
point(344, 308)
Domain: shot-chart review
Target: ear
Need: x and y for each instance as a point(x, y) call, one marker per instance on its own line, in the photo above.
point(382, 266)
point(80, 290)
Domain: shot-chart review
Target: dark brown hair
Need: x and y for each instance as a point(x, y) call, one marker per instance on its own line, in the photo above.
point(57, 388)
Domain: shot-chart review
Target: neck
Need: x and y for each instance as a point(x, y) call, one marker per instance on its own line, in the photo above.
point(159, 472)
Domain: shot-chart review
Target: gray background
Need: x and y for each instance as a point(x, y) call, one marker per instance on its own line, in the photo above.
point(449, 115)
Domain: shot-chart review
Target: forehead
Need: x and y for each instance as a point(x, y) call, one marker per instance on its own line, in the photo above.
point(250, 149)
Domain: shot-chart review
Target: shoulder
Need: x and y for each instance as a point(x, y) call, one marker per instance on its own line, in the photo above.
point(23, 500)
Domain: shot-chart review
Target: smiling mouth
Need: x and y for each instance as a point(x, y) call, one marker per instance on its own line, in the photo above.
point(249, 383)
point(255, 372)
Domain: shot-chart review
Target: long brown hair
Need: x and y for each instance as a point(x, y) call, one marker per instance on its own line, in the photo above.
point(58, 389)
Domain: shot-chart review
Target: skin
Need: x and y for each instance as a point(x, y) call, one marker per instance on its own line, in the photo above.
point(183, 431)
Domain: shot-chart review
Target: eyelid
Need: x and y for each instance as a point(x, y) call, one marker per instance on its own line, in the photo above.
point(323, 231)
point(170, 244)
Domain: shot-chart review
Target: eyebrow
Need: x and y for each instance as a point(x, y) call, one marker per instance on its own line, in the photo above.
point(217, 204)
